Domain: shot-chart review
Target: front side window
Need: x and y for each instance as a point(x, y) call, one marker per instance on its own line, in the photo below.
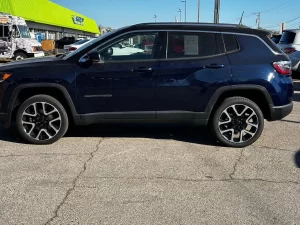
point(133, 47)
point(186, 45)
point(24, 31)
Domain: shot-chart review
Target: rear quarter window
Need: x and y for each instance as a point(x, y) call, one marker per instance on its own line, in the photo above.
point(231, 43)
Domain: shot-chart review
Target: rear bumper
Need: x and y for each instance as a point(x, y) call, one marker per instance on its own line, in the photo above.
point(4, 120)
point(279, 112)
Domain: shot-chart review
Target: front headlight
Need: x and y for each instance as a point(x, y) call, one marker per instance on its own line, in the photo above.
point(34, 49)
point(4, 76)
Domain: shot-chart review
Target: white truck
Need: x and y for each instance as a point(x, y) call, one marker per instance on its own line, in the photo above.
point(15, 39)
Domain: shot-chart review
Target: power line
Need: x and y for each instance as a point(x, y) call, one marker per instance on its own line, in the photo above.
point(294, 19)
point(285, 3)
point(269, 10)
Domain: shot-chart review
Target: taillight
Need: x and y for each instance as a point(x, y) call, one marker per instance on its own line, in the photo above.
point(72, 49)
point(289, 50)
point(283, 67)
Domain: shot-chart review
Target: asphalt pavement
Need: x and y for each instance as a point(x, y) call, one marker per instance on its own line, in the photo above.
point(141, 174)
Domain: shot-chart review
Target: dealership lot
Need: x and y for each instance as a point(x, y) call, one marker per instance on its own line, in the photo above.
point(140, 174)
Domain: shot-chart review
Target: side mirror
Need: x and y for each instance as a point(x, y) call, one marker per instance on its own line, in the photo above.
point(94, 56)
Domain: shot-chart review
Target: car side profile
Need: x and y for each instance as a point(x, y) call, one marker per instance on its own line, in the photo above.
point(225, 76)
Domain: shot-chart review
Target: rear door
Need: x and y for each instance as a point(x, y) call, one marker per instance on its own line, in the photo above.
point(194, 67)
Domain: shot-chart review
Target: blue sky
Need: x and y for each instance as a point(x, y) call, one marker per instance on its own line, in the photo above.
point(118, 13)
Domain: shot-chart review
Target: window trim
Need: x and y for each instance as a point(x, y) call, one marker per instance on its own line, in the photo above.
point(176, 30)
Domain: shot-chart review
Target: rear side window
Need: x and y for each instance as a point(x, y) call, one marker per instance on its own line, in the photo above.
point(288, 37)
point(188, 44)
point(231, 43)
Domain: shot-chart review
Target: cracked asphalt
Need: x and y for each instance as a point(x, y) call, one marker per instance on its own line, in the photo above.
point(142, 174)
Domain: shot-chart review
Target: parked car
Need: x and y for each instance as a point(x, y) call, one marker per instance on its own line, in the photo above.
point(295, 59)
point(276, 38)
point(64, 41)
point(216, 79)
point(76, 45)
point(120, 49)
point(290, 41)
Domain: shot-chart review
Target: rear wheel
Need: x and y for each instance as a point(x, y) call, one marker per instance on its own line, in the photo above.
point(238, 122)
point(20, 56)
point(42, 119)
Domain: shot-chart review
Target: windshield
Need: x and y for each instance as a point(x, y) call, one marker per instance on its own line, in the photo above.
point(288, 37)
point(24, 32)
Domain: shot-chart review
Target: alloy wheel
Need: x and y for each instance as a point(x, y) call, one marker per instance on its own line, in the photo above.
point(41, 121)
point(238, 123)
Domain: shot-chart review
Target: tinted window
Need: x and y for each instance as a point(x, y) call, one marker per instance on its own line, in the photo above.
point(276, 39)
point(287, 37)
point(4, 31)
point(230, 43)
point(185, 44)
point(135, 47)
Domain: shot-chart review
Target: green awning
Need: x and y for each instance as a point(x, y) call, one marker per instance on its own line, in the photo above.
point(47, 12)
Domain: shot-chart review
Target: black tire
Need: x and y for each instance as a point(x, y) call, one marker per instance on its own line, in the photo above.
point(20, 56)
point(237, 121)
point(59, 113)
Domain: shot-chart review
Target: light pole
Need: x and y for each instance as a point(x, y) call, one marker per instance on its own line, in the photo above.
point(198, 11)
point(180, 14)
point(184, 9)
point(155, 17)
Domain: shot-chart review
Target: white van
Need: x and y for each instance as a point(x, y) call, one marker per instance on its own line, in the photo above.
point(15, 39)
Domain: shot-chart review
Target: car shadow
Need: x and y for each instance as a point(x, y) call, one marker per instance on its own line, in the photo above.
point(297, 158)
point(183, 133)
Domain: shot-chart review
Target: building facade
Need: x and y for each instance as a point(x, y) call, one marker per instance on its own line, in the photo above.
point(49, 21)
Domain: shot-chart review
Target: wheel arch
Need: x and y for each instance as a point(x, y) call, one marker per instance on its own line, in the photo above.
point(256, 93)
point(20, 51)
point(57, 91)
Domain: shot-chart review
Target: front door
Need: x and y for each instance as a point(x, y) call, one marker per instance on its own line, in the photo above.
point(194, 68)
point(121, 85)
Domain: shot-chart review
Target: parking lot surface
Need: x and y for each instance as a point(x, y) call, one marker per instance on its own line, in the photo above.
point(141, 174)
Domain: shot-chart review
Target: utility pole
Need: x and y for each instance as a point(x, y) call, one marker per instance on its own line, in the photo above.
point(258, 20)
point(184, 10)
point(198, 11)
point(180, 14)
point(217, 11)
point(241, 20)
point(155, 17)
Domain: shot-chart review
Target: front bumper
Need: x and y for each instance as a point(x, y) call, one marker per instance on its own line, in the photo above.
point(36, 54)
point(279, 112)
point(4, 120)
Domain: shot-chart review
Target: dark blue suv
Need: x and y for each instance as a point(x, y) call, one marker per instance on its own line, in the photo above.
point(225, 76)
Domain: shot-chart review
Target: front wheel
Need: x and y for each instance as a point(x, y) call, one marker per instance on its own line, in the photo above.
point(20, 56)
point(238, 122)
point(42, 119)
